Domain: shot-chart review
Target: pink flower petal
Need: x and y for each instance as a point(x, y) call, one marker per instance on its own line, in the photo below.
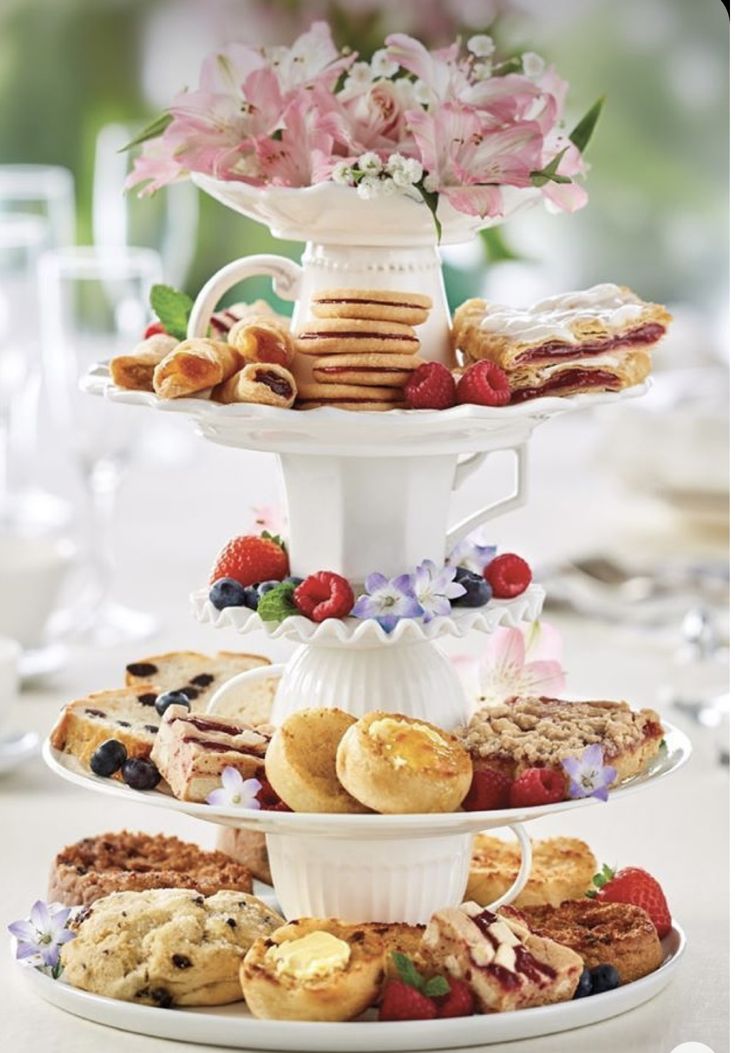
point(505, 647)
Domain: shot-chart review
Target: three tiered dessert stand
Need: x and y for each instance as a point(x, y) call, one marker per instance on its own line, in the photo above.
point(364, 492)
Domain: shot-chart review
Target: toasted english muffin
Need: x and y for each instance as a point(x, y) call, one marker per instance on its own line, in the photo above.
point(563, 868)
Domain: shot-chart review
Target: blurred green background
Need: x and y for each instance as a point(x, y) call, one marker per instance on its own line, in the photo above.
point(657, 216)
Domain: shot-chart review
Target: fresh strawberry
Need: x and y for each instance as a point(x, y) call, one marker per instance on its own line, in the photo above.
point(431, 386)
point(402, 1002)
point(489, 789)
point(484, 384)
point(538, 786)
point(636, 886)
point(457, 1002)
point(508, 576)
point(250, 559)
point(153, 329)
point(324, 595)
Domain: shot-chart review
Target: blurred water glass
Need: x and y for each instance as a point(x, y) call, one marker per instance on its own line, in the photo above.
point(95, 306)
point(46, 191)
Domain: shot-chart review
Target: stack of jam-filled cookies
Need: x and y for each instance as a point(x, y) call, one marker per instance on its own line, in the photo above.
point(363, 347)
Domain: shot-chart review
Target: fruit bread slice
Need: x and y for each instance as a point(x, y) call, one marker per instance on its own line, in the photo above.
point(539, 732)
point(126, 714)
point(198, 676)
point(191, 751)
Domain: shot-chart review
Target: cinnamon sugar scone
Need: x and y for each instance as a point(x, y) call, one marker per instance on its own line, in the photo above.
point(540, 732)
point(129, 862)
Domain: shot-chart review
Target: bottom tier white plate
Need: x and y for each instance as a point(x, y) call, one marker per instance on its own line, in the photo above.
point(234, 1028)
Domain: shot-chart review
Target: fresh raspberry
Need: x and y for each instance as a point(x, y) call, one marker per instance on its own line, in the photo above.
point(484, 384)
point(538, 786)
point(250, 559)
point(153, 329)
point(324, 595)
point(508, 576)
point(636, 886)
point(489, 789)
point(457, 1002)
point(401, 1001)
point(431, 386)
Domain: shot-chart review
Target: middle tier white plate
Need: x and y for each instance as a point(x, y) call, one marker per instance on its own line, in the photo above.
point(357, 632)
point(368, 827)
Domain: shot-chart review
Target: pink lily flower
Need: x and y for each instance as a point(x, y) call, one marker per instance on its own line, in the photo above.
point(439, 71)
point(312, 59)
point(370, 120)
point(468, 161)
point(506, 671)
point(293, 158)
point(155, 167)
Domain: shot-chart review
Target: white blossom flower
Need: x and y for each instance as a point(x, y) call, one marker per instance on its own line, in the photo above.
point(533, 64)
point(358, 79)
point(342, 173)
point(482, 70)
point(435, 587)
point(235, 791)
point(369, 188)
point(370, 163)
point(405, 170)
point(382, 65)
point(387, 186)
point(421, 93)
point(481, 45)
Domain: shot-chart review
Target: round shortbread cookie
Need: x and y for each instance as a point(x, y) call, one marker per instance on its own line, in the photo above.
point(341, 336)
point(315, 392)
point(356, 405)
point(390, 371)
point(390, 305)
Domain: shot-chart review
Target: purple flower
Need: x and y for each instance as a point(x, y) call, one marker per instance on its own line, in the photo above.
point(435, 587)
point(472, 555)
point(388, 601)
point(42, 934)
point(588, 775)
point(235, 791)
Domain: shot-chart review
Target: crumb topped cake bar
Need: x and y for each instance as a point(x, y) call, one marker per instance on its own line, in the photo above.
point(540, 732)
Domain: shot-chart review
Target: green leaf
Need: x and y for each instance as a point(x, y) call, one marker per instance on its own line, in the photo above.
point(549, 174)
point(432, 202)
point(151, 131)
point(274, 537)
point(582, 132)
point(512, 65)
point(405, 967)
point(172, 309)
point(436, 987)
point(278, 604)
point(663, 748)
point(495, 245)
point(591, 894)
point(606, 874)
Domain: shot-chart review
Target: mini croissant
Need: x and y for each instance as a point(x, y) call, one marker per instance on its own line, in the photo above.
point(260, 338)
point(195, 365)
point(135, 371)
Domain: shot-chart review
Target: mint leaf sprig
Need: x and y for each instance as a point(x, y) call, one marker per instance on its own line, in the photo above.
point(172, 308)
point(435, 987)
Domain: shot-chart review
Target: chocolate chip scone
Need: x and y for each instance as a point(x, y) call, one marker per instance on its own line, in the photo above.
point(165, 947)
point(126, 862)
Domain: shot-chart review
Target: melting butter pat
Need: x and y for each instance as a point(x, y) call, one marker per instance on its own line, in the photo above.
point(310, 957)
point(408, 744)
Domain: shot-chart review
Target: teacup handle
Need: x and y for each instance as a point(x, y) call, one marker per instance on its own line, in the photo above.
point(285, 273)
point(232, 686)
point(506, 504)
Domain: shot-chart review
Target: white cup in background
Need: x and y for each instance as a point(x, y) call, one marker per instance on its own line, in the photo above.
point(10, 651)
point(32, 570)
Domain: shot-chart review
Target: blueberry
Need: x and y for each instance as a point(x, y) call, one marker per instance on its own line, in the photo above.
point(226, 592)
point(251, 597)
point(266, 586)
point(108, 758)
point(293, 580)
point(604, 978)
point(584, 987)
point(477, 591)
point(140, 774)
point(171, 698)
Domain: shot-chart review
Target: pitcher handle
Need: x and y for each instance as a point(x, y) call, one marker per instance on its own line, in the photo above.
point(506, 504)
point(468, 467)
point(526, 847)
point(285, 273)
point(261, 672)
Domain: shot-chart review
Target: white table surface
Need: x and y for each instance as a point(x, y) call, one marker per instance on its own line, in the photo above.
point(170, 524)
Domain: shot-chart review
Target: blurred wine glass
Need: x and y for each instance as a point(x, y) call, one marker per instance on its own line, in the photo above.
point(46, 191)
point(95, 305)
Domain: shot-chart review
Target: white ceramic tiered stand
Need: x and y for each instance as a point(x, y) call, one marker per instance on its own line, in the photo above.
point(365, 492)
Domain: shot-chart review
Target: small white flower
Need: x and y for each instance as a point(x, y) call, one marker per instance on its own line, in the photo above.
point(533, 64)
point(421, 93)
point(359, 78)
point(235, 792)
point(405, 170)
point(342, 173)
point(482, 70)
point(369, 188)
point(481, 45)
point(370, 163)
point(388, 186)
point(382, 65)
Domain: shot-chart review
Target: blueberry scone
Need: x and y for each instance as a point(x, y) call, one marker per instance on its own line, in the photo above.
point(166, 947)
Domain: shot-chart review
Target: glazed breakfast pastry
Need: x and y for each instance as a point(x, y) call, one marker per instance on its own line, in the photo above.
point(266, 383)
point(195, 365)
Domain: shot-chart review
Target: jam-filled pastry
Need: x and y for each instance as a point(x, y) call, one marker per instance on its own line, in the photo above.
point(598, 339)
point(391, 371)
point(222, 321)
point(347, 336)
point(135, 371)
point(195, 365)
point(262, 338)
point(383, 305)
point(505, 964)
point(266, 383)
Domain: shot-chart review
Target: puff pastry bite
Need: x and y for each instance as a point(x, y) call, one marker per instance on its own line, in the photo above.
point(195, 365)
point(505, 964)
point(300, 763)
point(266, 383)
point(262, 338)
point(135, 371)
point(394, 764)
point(598, 339)
point(313, 969)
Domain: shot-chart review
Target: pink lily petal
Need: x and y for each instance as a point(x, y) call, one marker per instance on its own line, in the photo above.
point(505, 647)
point(564, 197)
point(544, 642)
point(545, 677)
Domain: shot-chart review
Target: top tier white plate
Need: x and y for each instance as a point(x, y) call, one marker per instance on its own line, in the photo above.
point(395, 433)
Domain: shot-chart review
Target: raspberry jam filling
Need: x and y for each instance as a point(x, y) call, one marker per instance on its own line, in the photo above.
point(224, 747)
point(525, 963)
point(358, 336)
point(278, 385)
point(557, 349)
point(372, 303)
point(208, 725)
point(579, 378)
point(361, 369)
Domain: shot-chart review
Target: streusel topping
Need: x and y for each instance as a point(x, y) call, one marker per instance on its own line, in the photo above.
point(542, 731)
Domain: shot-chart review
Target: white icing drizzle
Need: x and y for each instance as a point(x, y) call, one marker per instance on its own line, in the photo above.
point(551, 319)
